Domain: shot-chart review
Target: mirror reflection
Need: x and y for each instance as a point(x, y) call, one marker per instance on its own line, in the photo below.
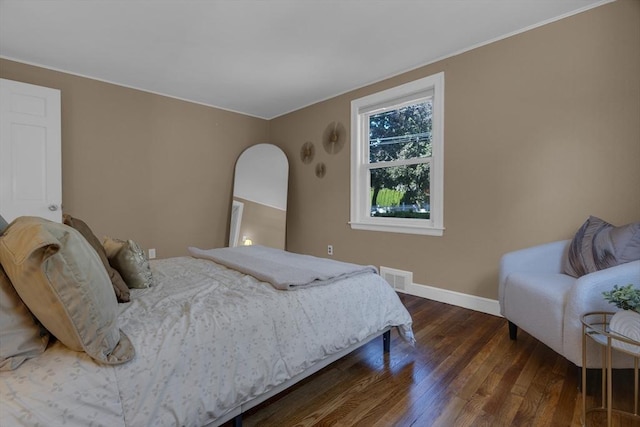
point(259, 209)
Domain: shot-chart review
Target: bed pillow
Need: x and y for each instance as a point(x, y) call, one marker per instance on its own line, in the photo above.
point(21, 336)
point(3, 224)
point(119, 286)
point(598, 245)
point(62, 281)
point(131, 262)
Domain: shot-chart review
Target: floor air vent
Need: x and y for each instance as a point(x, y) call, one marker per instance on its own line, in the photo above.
point(398, 279)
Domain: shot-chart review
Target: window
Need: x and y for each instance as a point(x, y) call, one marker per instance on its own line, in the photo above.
point(397, 159)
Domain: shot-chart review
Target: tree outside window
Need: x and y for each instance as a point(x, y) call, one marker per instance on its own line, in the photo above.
point(396, 137)
point(397, 145)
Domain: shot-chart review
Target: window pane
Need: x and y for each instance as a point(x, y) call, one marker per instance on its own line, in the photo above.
point(403, 133)
point(400, 192)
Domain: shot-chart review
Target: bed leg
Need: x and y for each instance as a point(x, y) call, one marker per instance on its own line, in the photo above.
point(513, 331)
point(386, 341)
point(237, 421)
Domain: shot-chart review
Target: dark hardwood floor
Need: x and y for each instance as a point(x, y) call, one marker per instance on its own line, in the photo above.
point(464, 371)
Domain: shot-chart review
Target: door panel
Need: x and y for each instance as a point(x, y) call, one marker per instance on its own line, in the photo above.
point(30, 151)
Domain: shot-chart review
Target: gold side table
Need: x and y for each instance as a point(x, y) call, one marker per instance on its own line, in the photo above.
point(595, 326)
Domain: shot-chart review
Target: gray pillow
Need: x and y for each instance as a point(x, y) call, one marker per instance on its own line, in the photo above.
point(21, 336)
point(598, 245)
point(3, 224)
point(62, 281)
point(129, 259)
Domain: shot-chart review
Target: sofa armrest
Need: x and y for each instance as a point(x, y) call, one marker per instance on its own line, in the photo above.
point(545, 258)
point(586, 296)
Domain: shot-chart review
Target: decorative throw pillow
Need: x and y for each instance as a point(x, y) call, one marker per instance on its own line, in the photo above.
point(62, 281)
point(131, 262)
point(119, 286)
point(21, 336)
point(598, 245)
point(3, 224)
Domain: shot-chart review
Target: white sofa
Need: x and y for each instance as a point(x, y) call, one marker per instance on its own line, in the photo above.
point(537, 297)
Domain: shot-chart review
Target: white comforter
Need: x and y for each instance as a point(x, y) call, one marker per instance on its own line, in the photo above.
point(207, 339)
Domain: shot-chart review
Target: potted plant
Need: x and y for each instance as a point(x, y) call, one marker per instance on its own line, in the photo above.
point(626, 322)
point(624, 297)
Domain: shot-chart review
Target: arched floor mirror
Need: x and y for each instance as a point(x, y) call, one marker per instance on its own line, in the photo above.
point(259, 209)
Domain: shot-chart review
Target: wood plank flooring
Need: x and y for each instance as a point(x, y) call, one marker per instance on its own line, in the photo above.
point(464, 371)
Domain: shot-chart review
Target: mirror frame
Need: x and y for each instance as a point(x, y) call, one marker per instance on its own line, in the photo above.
point(261, 179)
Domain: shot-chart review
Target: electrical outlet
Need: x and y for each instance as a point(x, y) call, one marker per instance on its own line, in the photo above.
point(330, 250)
point(152, 253)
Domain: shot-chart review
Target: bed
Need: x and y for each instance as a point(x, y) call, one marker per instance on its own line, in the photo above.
point(210, 343)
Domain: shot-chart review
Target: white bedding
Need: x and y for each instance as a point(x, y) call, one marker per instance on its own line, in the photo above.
point(207, 339)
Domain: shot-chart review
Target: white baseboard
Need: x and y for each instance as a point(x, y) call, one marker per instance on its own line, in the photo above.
point(472, 302)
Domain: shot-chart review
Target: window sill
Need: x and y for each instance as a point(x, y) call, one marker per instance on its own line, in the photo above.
point(398, 228)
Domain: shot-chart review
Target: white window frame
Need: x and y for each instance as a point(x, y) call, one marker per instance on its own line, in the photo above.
point(361, 108)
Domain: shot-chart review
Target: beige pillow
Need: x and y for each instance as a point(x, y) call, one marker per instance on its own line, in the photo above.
point(119, 286)
point(63, 282)
point(21, 336)
point(131, 262)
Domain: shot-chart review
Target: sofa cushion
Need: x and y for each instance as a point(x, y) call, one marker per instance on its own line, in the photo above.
point(598, 245)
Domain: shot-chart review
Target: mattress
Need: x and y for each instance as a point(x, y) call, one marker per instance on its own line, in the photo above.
point(207, 340)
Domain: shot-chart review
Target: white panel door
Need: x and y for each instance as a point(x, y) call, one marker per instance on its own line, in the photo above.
point(30, 151)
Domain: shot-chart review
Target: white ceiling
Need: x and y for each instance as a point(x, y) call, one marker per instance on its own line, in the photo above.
point(258, 57)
